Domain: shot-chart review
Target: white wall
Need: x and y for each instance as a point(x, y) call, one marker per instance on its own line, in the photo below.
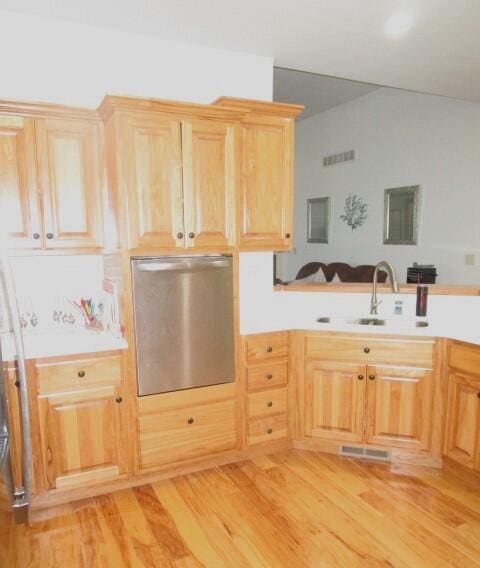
point(43, 60)
point(401, 138)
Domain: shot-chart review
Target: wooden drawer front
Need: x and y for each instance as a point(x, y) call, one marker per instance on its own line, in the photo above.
point(266, 403)
point(156, 403)
point(267, 429)
point(371, 350)
point(181, 434)
point(266, 346)
point(266, 376)
point(74, 375)
point(464, 358)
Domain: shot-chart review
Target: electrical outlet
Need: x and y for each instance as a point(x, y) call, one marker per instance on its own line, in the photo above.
point(469, 260)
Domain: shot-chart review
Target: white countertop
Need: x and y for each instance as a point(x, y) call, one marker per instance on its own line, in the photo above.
point(59, 342)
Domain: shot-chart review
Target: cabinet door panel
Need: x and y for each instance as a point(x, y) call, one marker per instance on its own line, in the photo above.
point(399, 407)
point(266, 186)
point(71, 176)
point(18, 182)
point(80, 436)
point(151, 153)
point(335, 400)
point(208, 183)
point(462, 436)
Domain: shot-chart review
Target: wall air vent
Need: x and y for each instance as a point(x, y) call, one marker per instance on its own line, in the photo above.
point(339, 158)
point(365, 453)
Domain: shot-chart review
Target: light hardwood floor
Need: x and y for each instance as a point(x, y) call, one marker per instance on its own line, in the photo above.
point(289, 509)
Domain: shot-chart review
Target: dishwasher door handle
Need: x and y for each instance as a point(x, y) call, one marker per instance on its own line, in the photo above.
point(182, 266)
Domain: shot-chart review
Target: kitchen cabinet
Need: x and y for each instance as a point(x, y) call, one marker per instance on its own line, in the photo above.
point(51, 182)
point(81, 419)
point(174, 169)
point(355, 393)
point(265, 360)
point(462, 430)
point(187, 425)
point(266, 183)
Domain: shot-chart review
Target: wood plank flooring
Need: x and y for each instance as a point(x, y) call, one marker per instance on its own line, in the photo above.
point(290, 509)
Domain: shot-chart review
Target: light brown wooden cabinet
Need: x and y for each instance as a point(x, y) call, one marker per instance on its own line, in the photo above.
point(266, 393)
point(266, 187)
point(79, 420)
point(187, 425)
point(373, 403)
point(462, 429)
point(175, 173)
point(51, 182)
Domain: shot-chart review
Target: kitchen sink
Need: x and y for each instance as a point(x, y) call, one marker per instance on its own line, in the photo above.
point(394, 323)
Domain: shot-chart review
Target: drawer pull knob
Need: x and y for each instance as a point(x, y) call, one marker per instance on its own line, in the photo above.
point(191, 235)
point(81, 374)
point(367, 350)
point(269, 431)
point(360, 377)
point(36, 236)
point(371, 377)
point(269, 349)
point(269, 404)
point(180, 235)
point(190, 420)
point(119, 399)
point(49, 235)
point(287, 235)
point(269, 376)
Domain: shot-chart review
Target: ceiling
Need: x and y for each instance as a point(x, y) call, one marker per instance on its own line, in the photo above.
point(316, 92)
point(426, 45)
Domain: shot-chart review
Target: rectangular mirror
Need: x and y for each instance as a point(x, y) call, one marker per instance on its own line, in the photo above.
point(400, 223)
point(318, 213)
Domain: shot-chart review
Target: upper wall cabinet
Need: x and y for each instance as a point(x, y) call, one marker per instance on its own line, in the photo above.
point(266, 193)
point(51, 178)
point(172, 169)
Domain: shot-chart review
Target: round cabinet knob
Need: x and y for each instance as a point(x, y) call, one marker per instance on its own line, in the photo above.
point(287, 235)
point(366, 350)
point(190, 421)
point(371, 377)
point(191, 235)
point(17, 384)
point(179, 235)
point(119, 399)
point(269, 431)
point(269, 376)
point(81, 374)
point(49, 235)
point(478, 393)
point(269, 349)
point(360, 377)
point(36, 236)
point(269, 404)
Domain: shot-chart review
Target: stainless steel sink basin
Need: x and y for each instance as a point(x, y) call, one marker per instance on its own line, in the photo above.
point(368, 321)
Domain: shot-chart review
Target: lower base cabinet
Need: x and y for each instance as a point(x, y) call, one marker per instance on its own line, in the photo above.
point(186, 425)
point(80, 436)
point(379, 405)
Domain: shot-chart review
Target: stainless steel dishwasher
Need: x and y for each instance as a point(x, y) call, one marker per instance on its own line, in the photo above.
point(183, 313)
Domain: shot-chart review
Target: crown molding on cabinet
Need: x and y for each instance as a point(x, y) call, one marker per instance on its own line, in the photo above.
point(47, 110)
point(282, 110)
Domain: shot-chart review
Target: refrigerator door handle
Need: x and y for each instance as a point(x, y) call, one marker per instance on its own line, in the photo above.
point(21, 494)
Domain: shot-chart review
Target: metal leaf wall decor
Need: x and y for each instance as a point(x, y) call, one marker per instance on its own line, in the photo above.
point(355, 211)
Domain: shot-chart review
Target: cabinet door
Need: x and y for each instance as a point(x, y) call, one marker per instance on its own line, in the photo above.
point(462, 435)
point(208, 183)
point(80, 436)
point(150, 147)
point(19, 211)
point(335, 400)
point(399, 407)
point(266, 184)
point(70, 157)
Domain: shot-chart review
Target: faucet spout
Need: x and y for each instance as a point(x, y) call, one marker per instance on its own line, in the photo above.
point(393, 282)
